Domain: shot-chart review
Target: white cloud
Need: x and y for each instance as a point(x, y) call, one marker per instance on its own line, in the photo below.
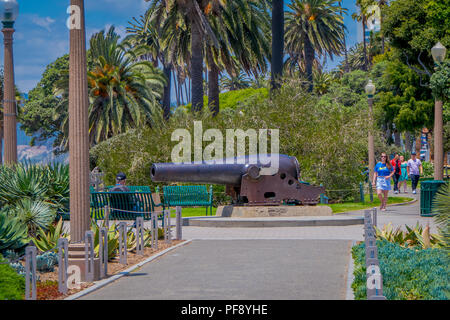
point(44, 22)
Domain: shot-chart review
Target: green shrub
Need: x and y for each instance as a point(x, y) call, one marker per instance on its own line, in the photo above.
point(13, 233)
point(407, 274)
point(428, 169)
point(12, 285)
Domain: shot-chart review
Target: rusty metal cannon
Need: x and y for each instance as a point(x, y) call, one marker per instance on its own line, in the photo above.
point(248, 179)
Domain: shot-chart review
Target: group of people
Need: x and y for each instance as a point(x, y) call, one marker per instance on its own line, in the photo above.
point(398, 169)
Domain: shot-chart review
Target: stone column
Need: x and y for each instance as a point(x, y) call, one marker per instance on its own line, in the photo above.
point(9, 100)
point(78, 127)
point(438, 141)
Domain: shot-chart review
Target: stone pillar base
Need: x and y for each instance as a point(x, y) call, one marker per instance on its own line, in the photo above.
point(273, 211)
point(76, 257)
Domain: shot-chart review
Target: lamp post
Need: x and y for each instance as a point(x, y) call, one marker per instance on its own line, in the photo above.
point(370, 90)
point(438, 52)
point(9, 10)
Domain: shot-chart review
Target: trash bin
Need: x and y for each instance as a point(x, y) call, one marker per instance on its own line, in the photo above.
point(428, 190)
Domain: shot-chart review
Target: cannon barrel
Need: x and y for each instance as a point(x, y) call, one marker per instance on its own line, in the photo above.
point(228, 172)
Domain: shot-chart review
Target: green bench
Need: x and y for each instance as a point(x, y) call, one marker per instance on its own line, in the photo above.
point(123, 205)
point(188, 196)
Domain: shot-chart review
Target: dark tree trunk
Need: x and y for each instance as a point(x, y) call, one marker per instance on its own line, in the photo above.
point(197, 67)
point(213, 87)
point(366, 62)
point(1, 143)
point(309, 60)
point(397, 138)
point(166, 97)
point(277, 42)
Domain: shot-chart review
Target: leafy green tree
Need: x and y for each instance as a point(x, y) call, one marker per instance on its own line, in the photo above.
point(414, 27)
point(314, 27)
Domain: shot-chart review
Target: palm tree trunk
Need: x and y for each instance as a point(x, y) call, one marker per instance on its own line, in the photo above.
point(366, 63)
point(277, 42)
point(166, 97)
point(213, 85)
point(177, 96)
point(1, 142)
point(196, 67)
point(345, 44)
point(309, 60)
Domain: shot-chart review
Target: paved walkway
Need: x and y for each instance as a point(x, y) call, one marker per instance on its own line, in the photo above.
point(256, 263)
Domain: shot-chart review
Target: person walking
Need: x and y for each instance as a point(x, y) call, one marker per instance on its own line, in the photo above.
point(415, 170)
point(395, 162)
point(382, 175)
point(403, 176)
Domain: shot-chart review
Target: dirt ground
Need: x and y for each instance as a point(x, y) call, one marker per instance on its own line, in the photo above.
point(47, 286)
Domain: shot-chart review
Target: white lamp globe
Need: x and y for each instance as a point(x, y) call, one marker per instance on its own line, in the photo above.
point(9, 10)
point(370, 88)
point(438, 52)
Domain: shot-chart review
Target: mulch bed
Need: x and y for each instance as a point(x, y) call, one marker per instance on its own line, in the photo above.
point(47, 286)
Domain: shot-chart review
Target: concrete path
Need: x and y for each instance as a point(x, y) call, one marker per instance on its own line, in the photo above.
point(257, 263)
point(240, 269)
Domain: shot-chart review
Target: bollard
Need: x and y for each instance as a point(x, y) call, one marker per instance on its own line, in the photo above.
point(89, 256)
point(374, 214)
point(123, 243)
point(63, 263)
point(179, 221)
point(167, 232)
point(374, 284)
point(30, 273)
point(361, 192)
point(140, 236)
point(103, 252)
point(107, 213)
point(154, 230)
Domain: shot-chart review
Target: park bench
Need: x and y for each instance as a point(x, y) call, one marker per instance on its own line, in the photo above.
point(123, 205)
point(188, 196)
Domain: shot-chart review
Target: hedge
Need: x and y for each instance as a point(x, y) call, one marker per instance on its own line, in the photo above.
point(407, 274)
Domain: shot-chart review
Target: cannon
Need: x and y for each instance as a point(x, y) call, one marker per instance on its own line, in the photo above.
point(246, 179)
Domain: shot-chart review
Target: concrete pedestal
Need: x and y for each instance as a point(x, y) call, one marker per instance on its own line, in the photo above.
point(76, 257)
point(273, 211)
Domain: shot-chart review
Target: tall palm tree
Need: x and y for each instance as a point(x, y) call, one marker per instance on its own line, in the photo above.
point(314, 27)
point(193, 12)
point(242, 28)
point(143, 32)
point(363, 16)
point(123, 92)
point(277, 41)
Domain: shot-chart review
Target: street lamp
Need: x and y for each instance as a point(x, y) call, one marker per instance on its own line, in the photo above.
point(370, 90)
point(9, 10)
point(438, 52)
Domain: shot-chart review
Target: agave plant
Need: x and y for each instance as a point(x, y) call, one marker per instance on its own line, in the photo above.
point(47, 240)
point(13, 233)
point(113, 239)
point(417, 237)
point(34, 214)
point(21, 181)
point(441, 207)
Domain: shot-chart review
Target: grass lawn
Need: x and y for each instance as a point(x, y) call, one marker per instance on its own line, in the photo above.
point(352, 206)
point(337, 208)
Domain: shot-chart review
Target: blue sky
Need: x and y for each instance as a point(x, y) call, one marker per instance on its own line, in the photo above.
point(42, 36)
